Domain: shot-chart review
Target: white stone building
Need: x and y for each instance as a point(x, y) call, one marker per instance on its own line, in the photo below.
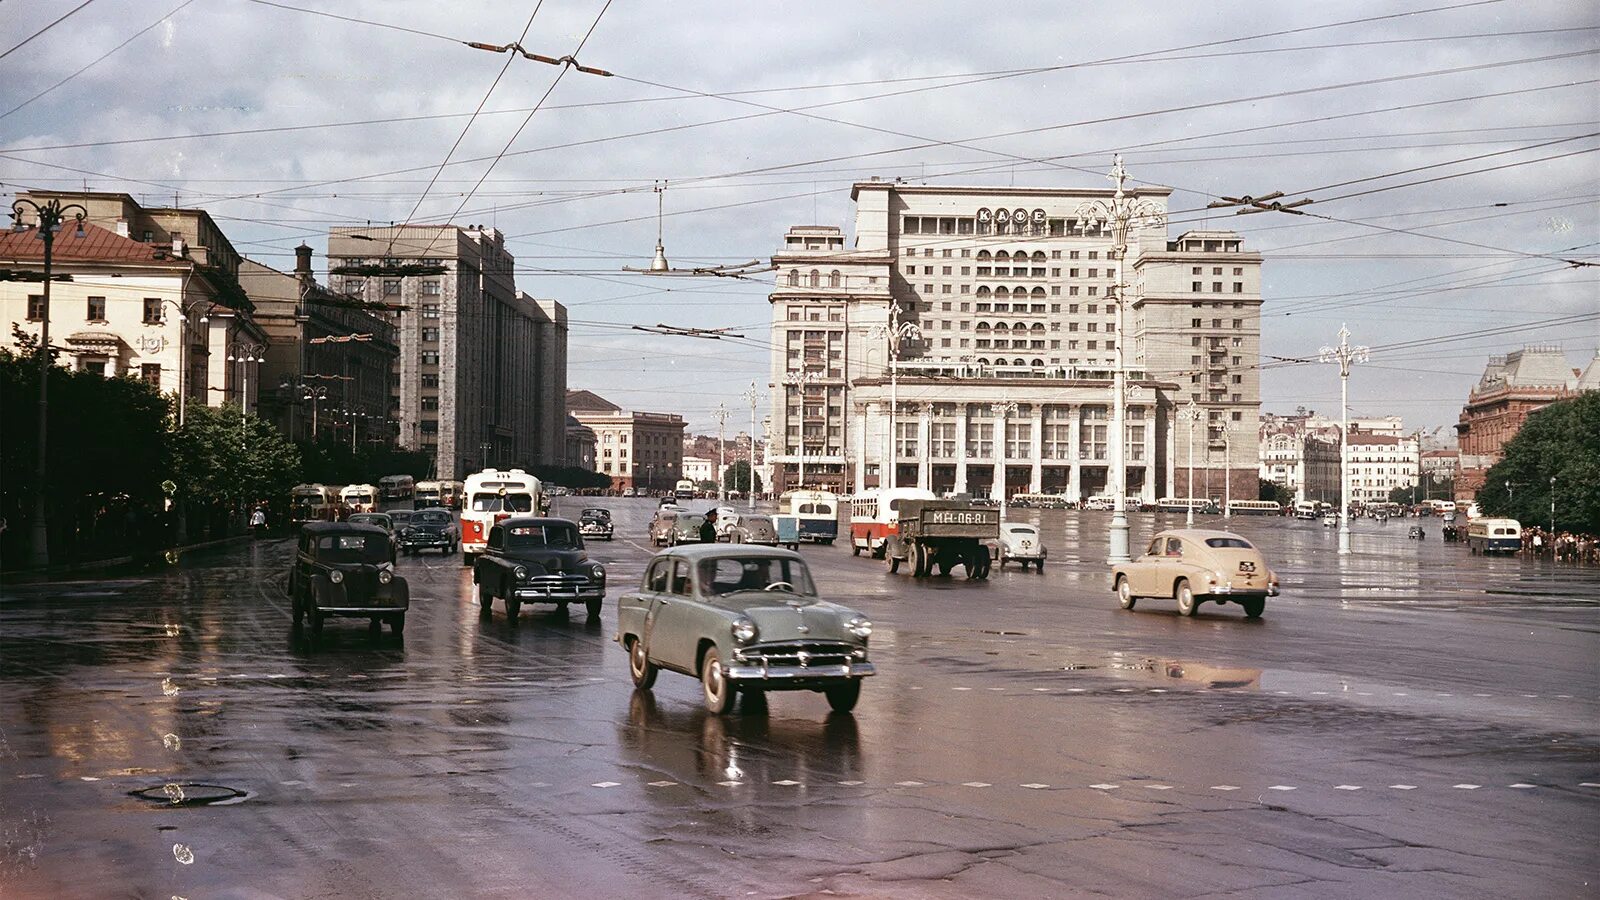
point(1008, 388)
point(1379, 463)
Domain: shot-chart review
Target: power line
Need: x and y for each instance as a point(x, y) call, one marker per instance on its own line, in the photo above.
point(64, 16)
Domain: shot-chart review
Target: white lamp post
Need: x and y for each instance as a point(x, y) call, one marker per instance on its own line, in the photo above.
point(1344, 355)
point(1121, 212)
point(1191, 413)
point(752, 395)
point(897, 333)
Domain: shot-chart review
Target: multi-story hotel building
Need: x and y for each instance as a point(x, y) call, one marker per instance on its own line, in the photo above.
point(482, 367)
point(1008, 386)
point(637, 449)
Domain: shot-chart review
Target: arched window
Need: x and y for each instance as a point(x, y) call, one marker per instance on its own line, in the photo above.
point(833, 278)
point(1020, 291)
point(1038, 362)
point(983, 360)
point(1000, 326)
point(1038, 327)
point(1038, 292)
point(983, 290)
point(1018, 362)
point(794, 278)
point(816, 278)
point(983, 254)
point(983, 326)
point(1001, 292)
point(1002, 255)
point(1038, 256)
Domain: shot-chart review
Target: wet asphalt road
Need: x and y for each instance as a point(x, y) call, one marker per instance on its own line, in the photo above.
point(1408, 721)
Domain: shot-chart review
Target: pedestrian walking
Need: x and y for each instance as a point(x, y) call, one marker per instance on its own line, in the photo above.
point(258, 522)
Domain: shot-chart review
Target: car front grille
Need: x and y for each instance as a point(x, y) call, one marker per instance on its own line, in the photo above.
point(556, 583)
point(800, 654)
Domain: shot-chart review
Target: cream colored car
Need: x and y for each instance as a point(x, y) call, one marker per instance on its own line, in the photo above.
point(1193, 565)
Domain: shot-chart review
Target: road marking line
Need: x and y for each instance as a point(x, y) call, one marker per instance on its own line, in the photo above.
point(1588, 784)
point(1404, 787)
point(1347, 787)
point(961, 689)
point(606, 784)
point(1401, 694)
point(1319, 693)
point(908, 784)
point(997, 689)
point(1224, 787)
point(1466, 787)
point(976, 784)
point(87, 778)
point(1158, 690)
point(1035, 786)
point(1521, 785)
point(1158, 787)
point(786, 783)
point(1124, 690)
point(730, 783)
point(1105, 787)
point(292, 782)
point(1285, 693)
point(852, 783)
point(1073, 690)
point(1281, 787)
point(663, 784)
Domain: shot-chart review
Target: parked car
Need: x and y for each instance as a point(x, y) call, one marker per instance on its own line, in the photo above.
point(661, 526)
point(726, 517)
point(1192, 565)
point(742, 620)
point(1329, 520)
point(595, 527)
point(685, 529)
point(1020, 542)
point(528, 559)
point(347, 569)
point(431, 529)
point(748, 528)
point(1416, 532)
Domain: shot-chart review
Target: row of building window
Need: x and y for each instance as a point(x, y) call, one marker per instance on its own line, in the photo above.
point(1001, 254)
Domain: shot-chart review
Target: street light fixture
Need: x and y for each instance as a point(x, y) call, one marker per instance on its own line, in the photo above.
point(50, 217)
point(246, 353)
point(897, 333)
point(1191, 413)
point(1003, 410)
point(754, 396)
point(183, 346)
point(1122, 213)
point(802, 380)
point(659, 265)
point(1344, 355)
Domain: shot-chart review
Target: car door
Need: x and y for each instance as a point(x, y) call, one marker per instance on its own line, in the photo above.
point(1169, 568)
point(675, 632)
point(1142, 573)
point(641, 609)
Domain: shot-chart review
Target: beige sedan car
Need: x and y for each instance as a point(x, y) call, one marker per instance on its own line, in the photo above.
point(1192, 565)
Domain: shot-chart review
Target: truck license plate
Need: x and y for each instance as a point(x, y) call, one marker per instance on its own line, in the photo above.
point(957, 517)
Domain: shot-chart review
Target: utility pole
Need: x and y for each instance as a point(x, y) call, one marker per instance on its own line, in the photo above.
point(1344, 355)
point(1122, 213)
point(1191, 412)
point(722, 425)
point(50, 217)
point(752, 395)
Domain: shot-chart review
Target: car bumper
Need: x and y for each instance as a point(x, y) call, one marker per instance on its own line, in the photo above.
point(596, 534)
point(431, 540)
point(1228, 590)
point(557, 594)
point(798, 674)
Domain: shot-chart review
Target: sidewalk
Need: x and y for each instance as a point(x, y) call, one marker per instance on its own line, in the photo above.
point(51, 573)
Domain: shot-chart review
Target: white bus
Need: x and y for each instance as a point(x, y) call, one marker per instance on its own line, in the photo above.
point(1178, 504)
point(1254, 508)
point(311, 503)
point(397, 487)
point(1307, 509)
point(817, 512)
point(1041, 501)
point(1494, 536)
point(438, 493)
point(359, 498)
point(493, 495)
point(1441, 507)
point(684, 489)
point(875, 514)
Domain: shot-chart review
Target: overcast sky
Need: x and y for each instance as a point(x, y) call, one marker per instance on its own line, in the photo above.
point(573, 194)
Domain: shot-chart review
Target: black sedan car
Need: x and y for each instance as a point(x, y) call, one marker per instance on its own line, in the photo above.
point(537, 560)
point(347, 569)
point(430, 529)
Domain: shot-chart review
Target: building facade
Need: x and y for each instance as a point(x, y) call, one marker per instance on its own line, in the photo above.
point(1302, 455)
point(330, 365)
point(581, 445)
point(1007, 387)
point(154, 293)
point(700, 468)
point(476, 357)
point(1381, 463)
point(637, 449)
point(1512, 387)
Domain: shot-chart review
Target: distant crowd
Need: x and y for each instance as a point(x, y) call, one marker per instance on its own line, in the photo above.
point(1561, 546)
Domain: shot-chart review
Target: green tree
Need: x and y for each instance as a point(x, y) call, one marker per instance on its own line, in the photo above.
point(737, 477)
point(221, 455)
point(1561, 441)
point(1271, 490)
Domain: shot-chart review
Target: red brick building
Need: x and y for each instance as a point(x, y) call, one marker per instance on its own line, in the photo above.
point(1513, 387)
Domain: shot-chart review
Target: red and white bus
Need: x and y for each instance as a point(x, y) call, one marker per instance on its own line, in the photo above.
point(312, 503)
point(493, 495)
point(438, 493)
point(359, 498)
point(875, 514)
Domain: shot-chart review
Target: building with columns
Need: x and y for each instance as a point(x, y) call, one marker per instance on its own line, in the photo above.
point(637, 449)
point(1008, 386)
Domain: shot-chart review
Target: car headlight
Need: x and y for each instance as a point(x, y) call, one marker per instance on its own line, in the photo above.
point(859, 626)
point(597, 571)
point(520, 572)
point(744, 630)
point(336, 576)
point(385, 576)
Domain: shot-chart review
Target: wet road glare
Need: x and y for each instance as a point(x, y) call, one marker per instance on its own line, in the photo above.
point(1406, 721)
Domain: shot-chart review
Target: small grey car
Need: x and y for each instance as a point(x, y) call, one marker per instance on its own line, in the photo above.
point(742, 619)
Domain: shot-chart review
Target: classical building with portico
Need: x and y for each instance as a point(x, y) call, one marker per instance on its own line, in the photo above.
point(1006, 386)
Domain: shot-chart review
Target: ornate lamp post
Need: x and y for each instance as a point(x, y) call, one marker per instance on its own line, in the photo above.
point(246, 354)
point(897, 333)
point(1227, 471)
point(1121, 212)
point(184, 309)
point(1344, 355)
point(1191, 413)
point(754, 396)
point(50, 217)
point(722, 426)
point(315, 395)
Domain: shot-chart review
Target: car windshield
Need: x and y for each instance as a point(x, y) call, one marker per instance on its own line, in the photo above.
point(1021, 529)
point(730, 575)
point(522, 537)
point(358, 498)
point(339, 549)
point(486, 502)
point(1228, 542)
point(431, 518)
point(597, 513)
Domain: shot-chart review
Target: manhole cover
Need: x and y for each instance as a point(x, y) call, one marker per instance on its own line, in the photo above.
point(190, 793)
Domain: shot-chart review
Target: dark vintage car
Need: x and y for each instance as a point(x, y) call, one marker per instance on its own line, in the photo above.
point(347, 569)
point(381, 520)
point(431, 529)
point(742, 619)
point(537, 560)
point(595, 524)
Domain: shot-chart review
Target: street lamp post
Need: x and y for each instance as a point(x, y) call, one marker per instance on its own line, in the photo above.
point(1191, 412)
point(183, 347)
point(1344, 355)
point(1227, 471)
point(50, 217)
point(315, 395)
point(1122, 213)
point(1552, 506)
point(245, 354)
point(752, 395)
point(897, 333)
point(722, 426)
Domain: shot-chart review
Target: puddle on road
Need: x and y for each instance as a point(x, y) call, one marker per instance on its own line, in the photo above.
point(191, 793)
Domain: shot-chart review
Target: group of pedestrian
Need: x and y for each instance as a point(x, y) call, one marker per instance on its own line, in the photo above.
point(1561, 546)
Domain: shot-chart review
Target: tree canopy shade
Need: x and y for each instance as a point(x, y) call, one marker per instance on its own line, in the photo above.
point(737, 477)
point(1561, 441)
point(222, 455)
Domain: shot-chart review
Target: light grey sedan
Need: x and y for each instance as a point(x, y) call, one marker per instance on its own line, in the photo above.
point(745, 620)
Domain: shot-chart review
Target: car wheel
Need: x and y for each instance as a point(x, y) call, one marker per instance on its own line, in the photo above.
point(1254, 607)
point(1125, 597)
point(1038, 566)
point(397, 623)
point(855, 548)
point(299, 615)
point(919, 561)
point(714, 683)
point(983, 566)
point(316, 623)
point(485, 599)
point(893, 561)
point(975, 560)
point(592, 607)
point(842, 697)
point(642, 670)
point(1185, 597)
point(513, 609)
